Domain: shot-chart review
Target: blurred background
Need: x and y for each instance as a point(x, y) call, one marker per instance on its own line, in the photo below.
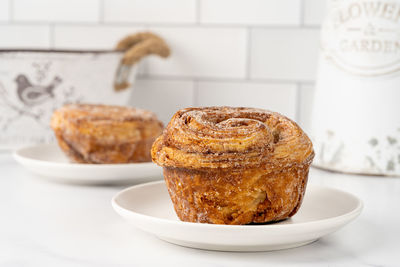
point(224, 52)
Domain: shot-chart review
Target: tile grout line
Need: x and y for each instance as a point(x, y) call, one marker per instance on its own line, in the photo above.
point(198, 10)
point(10, 11)
point(101, 12)
point(224, 79)
point(161, 25)
point(302, 10)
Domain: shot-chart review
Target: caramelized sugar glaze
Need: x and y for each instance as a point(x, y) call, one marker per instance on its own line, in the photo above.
point(228, 165)
point(105, 134)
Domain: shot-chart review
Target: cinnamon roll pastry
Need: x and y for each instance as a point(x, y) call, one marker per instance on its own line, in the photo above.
point(105, 134)
point(226, 165)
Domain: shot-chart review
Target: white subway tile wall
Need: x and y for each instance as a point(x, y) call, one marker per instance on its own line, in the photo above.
point(314, 11)
point(276, 97)
point(306, 100)
point(56, 10)
point(201, 52)
point(24, 36)
point(164, 97)
point(90, 36)
point(4, 10)
point(251, 12)
point(284, 54)
point(224, 52)
point(150, 11)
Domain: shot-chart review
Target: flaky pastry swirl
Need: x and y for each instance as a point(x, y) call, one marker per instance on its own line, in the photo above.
point(228, 137)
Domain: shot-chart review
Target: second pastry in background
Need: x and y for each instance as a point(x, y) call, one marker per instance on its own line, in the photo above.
point(105, 134)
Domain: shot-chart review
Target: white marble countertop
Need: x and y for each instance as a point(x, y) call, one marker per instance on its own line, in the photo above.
point(49, 224)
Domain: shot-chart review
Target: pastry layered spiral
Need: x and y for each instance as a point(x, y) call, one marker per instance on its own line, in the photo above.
point(229, 165)
point(105, 134)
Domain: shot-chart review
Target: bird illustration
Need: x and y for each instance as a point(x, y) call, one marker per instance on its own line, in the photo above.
point(31, 94)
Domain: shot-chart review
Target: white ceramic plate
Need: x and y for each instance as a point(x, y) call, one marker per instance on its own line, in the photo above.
point(50, 162)
point(324, 211)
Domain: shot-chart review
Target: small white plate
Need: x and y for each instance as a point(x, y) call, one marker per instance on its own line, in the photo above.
point(324, 210)
point(50, 162)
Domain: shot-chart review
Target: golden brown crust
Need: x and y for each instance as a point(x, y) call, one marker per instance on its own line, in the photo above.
point(236, 197)
point(225, 137)
point(233, 165)
point(105, 134)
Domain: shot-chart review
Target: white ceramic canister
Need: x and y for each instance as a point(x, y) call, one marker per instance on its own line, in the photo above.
point(356, 114)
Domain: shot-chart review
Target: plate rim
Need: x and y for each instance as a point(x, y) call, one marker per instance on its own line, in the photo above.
point(331, 221)
point(20, 158)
